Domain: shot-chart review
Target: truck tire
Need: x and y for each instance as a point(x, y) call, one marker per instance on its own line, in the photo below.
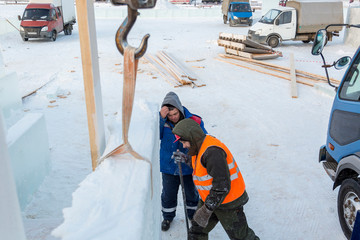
point(53, 36)
point(348, 204)
point(306, 41)
point(67, 30)
point(25, 39)
point(273, 41)
point(225, 19)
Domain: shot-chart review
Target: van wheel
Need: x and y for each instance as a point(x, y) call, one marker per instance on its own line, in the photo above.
point(67, 30)
point(273, 41)
point(231, 23)
point(225, 19)
point(348, 204)
point(53, 36)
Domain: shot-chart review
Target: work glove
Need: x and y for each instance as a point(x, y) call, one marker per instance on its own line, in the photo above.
point(179, 157)
point(202, 216)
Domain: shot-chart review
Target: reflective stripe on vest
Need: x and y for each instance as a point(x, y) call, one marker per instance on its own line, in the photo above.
point(203, 181)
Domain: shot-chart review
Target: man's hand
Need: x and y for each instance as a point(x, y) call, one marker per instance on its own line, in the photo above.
point(164, 111)
point(179, 157)
point(202, 216)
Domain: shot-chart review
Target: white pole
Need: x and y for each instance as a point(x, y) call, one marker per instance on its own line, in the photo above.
point(11, 225)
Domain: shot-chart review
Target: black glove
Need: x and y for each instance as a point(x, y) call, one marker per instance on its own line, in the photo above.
point(202, 216)
point(179, 157)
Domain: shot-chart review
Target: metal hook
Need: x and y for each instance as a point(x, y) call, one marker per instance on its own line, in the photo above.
point(123, 31)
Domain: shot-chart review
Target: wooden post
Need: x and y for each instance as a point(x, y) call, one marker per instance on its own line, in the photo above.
point(294, 93)
point(91, 74)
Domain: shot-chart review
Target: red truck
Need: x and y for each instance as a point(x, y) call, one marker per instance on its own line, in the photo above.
point(47, 18)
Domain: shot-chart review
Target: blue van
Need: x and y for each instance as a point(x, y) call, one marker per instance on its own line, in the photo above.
point(240, 13)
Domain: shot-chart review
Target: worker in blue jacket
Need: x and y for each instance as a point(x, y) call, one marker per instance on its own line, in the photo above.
point(170, 114)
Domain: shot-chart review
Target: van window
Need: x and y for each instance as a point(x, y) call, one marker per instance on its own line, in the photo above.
point(58, 12)
point(285, 17)
point(240, 7)
point(52, 13)
point(270, 16)
point(350, 89)
point(36, 14)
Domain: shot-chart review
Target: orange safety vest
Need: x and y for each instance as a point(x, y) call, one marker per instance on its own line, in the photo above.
point(203, 181)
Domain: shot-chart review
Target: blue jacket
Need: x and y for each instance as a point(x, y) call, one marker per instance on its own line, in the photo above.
point(167, 147)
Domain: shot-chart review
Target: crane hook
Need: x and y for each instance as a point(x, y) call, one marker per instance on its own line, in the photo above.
point(123, 31)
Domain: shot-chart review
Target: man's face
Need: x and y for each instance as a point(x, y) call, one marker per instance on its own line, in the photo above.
point(174, 115)
point(186, 144)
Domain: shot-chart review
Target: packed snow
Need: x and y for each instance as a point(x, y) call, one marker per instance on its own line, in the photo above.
point(275, 138)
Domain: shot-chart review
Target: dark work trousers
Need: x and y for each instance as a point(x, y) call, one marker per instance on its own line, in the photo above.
point(169, 195)
point(233, 221)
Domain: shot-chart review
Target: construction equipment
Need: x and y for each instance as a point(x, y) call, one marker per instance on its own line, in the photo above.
point(131, 58)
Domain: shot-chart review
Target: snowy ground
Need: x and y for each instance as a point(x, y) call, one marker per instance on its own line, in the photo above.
point(274, 138)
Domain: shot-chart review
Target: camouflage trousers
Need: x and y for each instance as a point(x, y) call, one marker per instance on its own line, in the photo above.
point(233, 221)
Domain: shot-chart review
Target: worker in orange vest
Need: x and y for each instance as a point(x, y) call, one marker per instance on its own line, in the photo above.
point(218, 180)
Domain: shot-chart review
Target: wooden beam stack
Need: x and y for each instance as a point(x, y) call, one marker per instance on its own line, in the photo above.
point(172, 71)
point(241, 45)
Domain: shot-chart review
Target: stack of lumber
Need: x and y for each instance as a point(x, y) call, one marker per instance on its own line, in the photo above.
point(241, 45)
point(302, 77)
point(171, 70)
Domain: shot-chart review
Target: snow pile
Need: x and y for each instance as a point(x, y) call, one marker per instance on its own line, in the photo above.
point(118, 196)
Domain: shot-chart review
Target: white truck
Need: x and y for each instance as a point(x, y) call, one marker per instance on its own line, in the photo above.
point(47, 18)
point(298, 21)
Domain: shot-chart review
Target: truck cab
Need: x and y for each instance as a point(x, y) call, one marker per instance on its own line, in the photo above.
point(340, 156)
point(41, 21)
point(277, 25)
point(239, 13)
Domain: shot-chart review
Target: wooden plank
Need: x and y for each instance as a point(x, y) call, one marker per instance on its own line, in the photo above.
point(169, 67)
point(294, 93)
point(271, 74)
point(233, 37)
point(91, 75)
point(191, 76)
point(239, 53)
point(158, 67)
point(251, 55)
point(243, 39)
point(298, 72)
point(230, 44)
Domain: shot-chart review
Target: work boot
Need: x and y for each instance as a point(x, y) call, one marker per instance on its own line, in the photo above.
point(165, 225)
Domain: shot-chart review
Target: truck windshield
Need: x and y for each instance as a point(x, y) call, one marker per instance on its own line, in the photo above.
point(270, 16)
point(240, 8)
point(350, 89)
point(36, 14)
